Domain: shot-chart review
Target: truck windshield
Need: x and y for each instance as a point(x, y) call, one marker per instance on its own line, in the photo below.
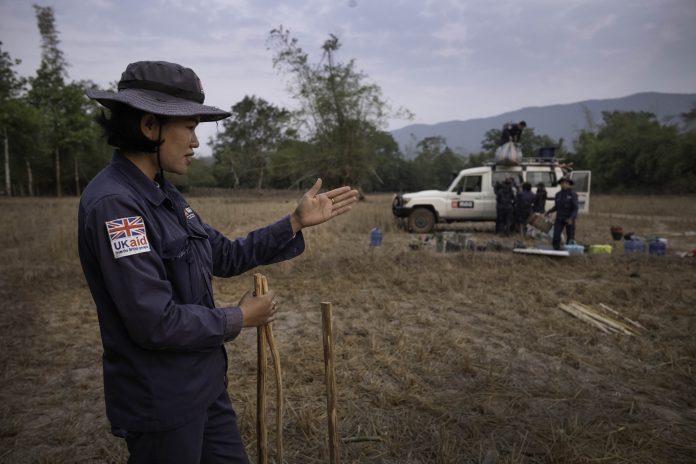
point(547, 177)
point(500, 176)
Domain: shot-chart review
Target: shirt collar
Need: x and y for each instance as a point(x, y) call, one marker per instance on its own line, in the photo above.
point(138, 180)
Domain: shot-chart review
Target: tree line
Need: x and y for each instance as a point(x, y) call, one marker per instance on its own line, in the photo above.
point(53, 146)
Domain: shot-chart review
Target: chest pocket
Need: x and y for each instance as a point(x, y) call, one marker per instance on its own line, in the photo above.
point(183, 256)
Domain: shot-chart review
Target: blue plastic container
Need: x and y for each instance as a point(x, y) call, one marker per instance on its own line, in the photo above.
point(573, 248)
point(375, 237)
point(634, 247)
point(657, 247)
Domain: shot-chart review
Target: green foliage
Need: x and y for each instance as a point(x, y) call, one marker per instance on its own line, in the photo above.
point(633, 152)
point(54, 145)
point(340, 112)
point(435, 163)
point(249, 139)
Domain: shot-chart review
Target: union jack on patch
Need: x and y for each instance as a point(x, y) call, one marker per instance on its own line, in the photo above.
point(127, 236)
point(126, 227)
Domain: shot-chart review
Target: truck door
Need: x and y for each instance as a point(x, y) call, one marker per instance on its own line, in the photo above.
point(468, 200)
point(581, 185)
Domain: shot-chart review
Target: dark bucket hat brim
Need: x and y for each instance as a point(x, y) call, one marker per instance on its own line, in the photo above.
point(152, 101)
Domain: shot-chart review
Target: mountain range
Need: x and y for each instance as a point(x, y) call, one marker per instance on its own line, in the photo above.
point(557, 121)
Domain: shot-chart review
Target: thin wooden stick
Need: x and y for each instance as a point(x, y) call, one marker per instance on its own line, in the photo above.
point(584, 317)
point(622, 316)
point(619, 326)
point(327, 337)
point(265, 336)
point(279, 392)
point(261, 367)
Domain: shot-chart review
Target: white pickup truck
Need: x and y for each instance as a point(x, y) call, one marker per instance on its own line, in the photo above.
point(470, 196)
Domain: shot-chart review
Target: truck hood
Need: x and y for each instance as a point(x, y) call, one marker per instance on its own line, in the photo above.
point(423, 194)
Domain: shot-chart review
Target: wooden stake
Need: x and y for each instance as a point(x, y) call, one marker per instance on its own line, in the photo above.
point(279, 391)
point(622, 316)
point(261, 368)
point(265, 336)
point(606, 320)
point(327, 336)
point(584, 317)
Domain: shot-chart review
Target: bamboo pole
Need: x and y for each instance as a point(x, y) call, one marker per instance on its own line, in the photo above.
point(606, 320)
point(265, 336)
point(275, 355)
point(622, 316)
point(261, 368)
point(327, 336)
point(584, 317)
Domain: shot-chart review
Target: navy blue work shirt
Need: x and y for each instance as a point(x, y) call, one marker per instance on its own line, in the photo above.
point(565, 205)
point(148, 259)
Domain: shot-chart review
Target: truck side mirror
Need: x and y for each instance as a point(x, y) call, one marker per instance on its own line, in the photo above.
point(459, 190)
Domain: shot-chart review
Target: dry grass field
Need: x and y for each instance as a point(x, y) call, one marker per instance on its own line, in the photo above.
point(440, 357)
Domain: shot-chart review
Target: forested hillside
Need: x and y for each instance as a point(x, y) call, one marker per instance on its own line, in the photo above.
point(53, 146)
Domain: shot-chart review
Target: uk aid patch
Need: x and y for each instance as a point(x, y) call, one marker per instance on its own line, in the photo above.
point(127, 236)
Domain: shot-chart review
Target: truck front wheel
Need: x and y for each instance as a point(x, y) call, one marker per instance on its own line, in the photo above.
point(421, 221)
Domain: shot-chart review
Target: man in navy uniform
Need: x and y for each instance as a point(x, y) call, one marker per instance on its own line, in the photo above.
point(148, 258)
point(504, 207)
point(512, 132)
point(566, 208)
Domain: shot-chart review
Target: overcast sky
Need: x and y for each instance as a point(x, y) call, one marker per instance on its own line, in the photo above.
point(441, 59)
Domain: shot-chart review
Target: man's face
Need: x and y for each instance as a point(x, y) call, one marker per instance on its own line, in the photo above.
point(565, 185)
point(176, 152)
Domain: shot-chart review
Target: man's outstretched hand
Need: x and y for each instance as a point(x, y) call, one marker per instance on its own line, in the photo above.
point(315, 208)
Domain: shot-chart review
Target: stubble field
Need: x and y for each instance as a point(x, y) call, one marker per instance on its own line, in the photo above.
point(440, 357)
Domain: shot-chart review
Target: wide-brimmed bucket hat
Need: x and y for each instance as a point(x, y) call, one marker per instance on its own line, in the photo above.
point(160, 88)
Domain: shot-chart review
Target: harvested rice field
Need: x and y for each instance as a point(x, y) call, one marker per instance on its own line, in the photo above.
point(459, 357)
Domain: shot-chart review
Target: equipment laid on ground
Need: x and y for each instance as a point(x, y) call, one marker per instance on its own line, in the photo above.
point(541, 251)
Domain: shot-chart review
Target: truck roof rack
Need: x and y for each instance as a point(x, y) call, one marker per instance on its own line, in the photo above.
point(528, 161)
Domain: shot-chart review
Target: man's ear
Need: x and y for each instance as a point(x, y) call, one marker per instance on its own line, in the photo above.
point(150, 127)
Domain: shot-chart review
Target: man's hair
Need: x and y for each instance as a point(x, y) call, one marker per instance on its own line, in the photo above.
point(527, 186)
point(522, 123)
point(122, 129)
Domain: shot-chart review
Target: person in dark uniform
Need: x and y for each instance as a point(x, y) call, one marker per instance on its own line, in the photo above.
point(512, 132)
point(540, 198)
point(566, 209)
point(524, 202)
point(149, 258)
point(504, 207)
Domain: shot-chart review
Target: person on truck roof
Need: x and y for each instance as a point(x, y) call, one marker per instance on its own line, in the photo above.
point(512, 132)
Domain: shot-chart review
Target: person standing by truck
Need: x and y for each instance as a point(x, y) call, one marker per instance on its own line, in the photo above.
point(524, 202)
point(540, 198)
point(566, 209)
point(504, 207)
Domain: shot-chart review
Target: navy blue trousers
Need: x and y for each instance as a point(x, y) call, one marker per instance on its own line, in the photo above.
point(503, 221)
point(558, 227)
point(211, 438)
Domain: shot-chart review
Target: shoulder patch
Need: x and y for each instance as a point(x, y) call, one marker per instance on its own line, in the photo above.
point(127, 236)
point(188, 212)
